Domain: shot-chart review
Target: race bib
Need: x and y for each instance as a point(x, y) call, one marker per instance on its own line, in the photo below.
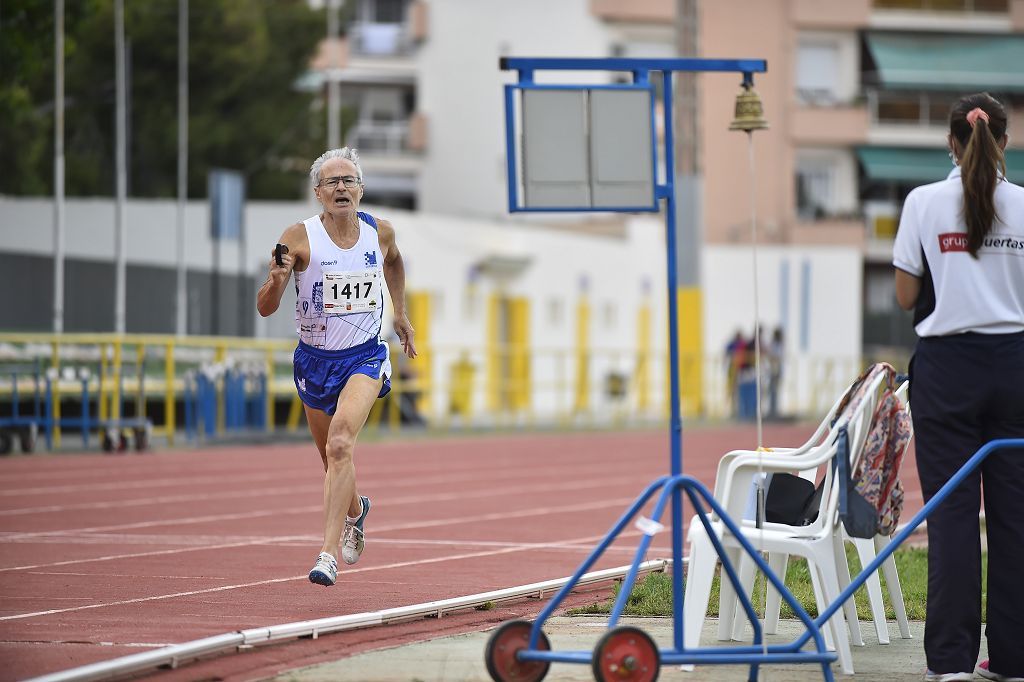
point(357, 291)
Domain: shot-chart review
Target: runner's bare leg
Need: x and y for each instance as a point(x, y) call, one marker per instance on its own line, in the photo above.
point(335, 438)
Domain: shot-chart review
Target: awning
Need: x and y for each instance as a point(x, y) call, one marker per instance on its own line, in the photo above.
point(915, 166)
point(936, 61)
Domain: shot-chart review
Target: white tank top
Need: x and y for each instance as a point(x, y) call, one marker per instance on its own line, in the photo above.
point(353, 280)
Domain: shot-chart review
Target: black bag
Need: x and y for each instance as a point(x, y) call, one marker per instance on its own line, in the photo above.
point(791, 500)
point(860, 518)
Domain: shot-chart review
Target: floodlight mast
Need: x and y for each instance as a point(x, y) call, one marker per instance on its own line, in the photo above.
point(640, 69)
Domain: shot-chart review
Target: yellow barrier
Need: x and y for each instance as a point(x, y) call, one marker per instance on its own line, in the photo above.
point(511, 384)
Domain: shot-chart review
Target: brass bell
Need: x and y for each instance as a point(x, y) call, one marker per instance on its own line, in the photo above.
point(749, 111)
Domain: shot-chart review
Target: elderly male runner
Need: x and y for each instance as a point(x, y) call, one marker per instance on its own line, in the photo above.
point(342, 365)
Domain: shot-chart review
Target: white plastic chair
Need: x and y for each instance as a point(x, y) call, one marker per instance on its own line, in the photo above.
point(867, 550)
point(797, 458)
point(820, 542)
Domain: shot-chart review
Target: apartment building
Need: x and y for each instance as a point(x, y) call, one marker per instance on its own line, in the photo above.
point(857, 94)
point(420, 84)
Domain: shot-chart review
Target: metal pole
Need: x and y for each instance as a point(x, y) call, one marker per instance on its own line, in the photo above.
point(58, 169)
point(676, 427)
point(181, 300)
point(120, 228)
point(333, 86)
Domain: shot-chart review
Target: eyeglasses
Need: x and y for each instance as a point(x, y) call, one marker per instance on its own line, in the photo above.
point(349, 181)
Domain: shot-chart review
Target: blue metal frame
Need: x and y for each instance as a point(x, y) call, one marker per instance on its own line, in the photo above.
point(671, 486)
point(674, 485)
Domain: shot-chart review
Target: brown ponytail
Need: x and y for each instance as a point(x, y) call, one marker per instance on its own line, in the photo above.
point(981, 162)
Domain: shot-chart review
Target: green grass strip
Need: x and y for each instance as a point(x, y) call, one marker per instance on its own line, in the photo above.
point(652, 596)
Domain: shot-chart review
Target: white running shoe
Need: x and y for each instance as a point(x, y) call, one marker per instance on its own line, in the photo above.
point(929, 676)
point(326, 570)
point(353, 541)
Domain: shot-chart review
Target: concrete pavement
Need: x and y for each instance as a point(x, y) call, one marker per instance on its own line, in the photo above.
point(459, 658)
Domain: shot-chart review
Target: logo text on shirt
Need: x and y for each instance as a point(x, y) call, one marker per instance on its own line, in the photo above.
point(991, 243)
point(952, 241)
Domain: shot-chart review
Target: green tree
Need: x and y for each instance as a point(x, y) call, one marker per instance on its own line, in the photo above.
point(245, 112)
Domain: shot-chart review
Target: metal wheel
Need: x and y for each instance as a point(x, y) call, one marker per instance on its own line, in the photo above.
point(500, 654)
point(626, 654)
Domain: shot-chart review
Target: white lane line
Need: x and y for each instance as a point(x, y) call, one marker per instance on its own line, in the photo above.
point(163, 540)
point(274, 581)
point(130, 645)
point(156, 480)
point(535, 511)
point(512, 471)
point(415, 499)
point(298, 541)
point(310, 489)
point(163, 552)
point(211, 518)
point(126, 575)
point(137, 645)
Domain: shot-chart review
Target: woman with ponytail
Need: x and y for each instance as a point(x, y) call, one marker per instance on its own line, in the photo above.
point(959, 258)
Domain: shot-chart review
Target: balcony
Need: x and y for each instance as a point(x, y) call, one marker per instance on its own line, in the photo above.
point(658, 11)
point(829, 125)
point(390, 138)
point(908, 118)
point(832, 230)
point(391, 146)
point(959, 6)
point(834, 14)
point(373, 39)
point(943, 15)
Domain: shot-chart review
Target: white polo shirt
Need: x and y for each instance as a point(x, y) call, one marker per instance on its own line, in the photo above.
point(983, 295)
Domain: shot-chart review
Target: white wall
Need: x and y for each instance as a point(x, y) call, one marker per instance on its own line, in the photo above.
point(813, 292)
point(821, 315)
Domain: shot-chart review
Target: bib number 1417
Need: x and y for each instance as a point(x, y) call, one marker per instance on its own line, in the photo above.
point(351, 292)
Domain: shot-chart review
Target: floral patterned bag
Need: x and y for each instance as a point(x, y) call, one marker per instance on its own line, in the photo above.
point(876, 475)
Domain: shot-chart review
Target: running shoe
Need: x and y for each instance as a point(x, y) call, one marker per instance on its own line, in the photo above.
point(983, 670)
point(352, 543)
point(326, 570)
point(929, 676)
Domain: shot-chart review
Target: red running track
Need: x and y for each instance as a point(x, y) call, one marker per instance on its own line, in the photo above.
point(103, 556)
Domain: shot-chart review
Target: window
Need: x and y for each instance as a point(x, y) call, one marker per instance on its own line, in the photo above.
point(388, 11)
point(815, 188)
point(912, 108)
point(817, 71)
point(992, 6)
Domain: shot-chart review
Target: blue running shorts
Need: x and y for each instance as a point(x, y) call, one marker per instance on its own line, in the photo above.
point(321, 374)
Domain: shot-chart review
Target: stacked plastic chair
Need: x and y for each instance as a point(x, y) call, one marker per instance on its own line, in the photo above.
point(821, 542)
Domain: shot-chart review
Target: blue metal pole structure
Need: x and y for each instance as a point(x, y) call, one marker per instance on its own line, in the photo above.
point(973, 463)
point(676, 424)
point(754, 655)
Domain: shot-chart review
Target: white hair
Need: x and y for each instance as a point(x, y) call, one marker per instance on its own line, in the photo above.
point(349, 153)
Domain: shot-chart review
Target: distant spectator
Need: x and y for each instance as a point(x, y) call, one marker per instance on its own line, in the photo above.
point(735, 354)
point(775, 352)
